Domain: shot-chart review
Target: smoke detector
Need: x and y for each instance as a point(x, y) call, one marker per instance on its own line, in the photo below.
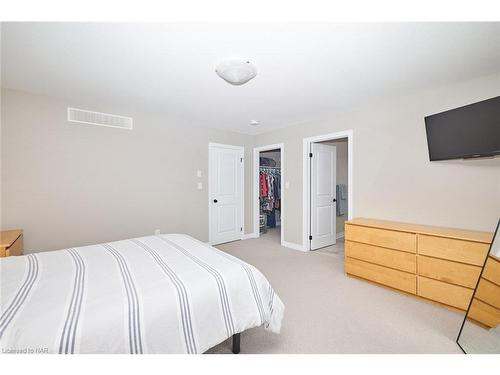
point(236, 71)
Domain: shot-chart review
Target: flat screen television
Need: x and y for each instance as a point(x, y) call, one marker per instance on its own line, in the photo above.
point(470, 131)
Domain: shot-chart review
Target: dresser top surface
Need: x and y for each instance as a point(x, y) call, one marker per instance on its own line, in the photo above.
point(461, 234)
point(8, 237)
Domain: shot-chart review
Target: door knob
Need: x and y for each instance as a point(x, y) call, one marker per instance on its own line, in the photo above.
point(215, 200)
point(335, 200)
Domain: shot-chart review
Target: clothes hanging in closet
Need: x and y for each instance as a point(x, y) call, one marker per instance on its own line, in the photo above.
point(270, 193)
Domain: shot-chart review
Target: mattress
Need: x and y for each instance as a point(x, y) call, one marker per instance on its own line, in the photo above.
point(157, 294)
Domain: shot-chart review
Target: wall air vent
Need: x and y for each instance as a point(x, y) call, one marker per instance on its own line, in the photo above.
point(98, 118)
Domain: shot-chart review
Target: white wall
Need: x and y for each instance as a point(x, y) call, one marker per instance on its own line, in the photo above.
point(69, 184)
point(1, 159)
point(393, 178)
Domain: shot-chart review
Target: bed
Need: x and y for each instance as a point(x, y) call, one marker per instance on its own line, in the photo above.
point(157, 294)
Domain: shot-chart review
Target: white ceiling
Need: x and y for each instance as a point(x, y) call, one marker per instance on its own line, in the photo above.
point(305, 71)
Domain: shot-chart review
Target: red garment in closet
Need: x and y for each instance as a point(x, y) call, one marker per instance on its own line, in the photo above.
point(263, 185)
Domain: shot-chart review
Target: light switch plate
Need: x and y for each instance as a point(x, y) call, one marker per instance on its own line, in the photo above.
point(200, 186)
point(287, 184)
point(198, 173)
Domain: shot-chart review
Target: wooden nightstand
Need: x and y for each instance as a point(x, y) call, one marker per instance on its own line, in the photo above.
point(11, 242)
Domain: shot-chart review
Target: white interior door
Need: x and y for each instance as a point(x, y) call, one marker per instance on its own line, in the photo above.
point(226, 198)
point(323, 195)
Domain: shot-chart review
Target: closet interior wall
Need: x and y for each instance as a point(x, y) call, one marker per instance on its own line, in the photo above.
point(341, 146)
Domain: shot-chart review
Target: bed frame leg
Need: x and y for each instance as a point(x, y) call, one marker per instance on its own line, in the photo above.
point(236, 343)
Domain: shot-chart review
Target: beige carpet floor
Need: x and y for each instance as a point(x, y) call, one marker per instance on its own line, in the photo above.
point(327, 312)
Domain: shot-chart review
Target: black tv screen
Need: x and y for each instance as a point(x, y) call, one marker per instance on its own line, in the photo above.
point(466, 132)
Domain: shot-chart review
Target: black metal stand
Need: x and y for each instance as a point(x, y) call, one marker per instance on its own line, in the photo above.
point(236, 343)
point(475, 289)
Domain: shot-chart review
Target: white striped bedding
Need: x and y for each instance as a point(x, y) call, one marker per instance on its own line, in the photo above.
point(156, 294)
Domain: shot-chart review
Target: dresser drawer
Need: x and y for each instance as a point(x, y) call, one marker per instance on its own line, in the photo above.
point(391, 258)
point(450, 272)
point(484, 313)
point(382, 275)
point(452, 295)
point(492, 270)
point(488, 292)
point(452, 249)
point(381, 237)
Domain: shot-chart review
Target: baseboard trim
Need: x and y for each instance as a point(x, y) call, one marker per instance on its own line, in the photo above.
point(289, 245)
point(292, 245)
point(340, 235)
point(247, 236)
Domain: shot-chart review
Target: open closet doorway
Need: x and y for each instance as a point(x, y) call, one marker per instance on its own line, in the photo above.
point(268, 192)
point(327, 191)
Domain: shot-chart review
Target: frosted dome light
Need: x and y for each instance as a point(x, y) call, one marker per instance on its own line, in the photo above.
point(236, 71)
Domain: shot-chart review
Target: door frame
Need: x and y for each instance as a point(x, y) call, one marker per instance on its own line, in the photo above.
point(242, 183)
point(256, 189)
point(306, 179)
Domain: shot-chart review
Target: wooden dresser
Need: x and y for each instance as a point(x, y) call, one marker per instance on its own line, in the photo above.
point(438, 264)
point(485, 307)
point(11, 242)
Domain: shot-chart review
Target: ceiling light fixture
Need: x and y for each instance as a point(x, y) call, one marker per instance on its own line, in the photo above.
point(254, 123)
point(236, 71)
